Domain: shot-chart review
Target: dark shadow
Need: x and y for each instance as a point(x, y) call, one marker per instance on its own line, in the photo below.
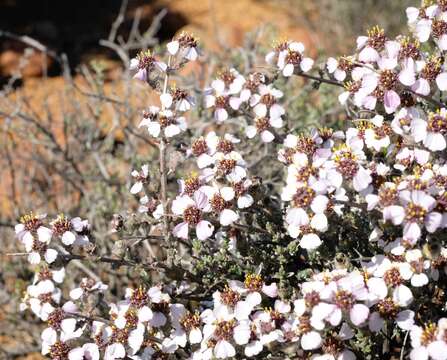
point(75, 27)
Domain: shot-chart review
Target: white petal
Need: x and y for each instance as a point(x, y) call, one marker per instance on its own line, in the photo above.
point(76, 354)
point(227, 193)
point(288, 70)
point(310, 241)
point(34, 258)
point(224, 349)
point(204, 230)
point(218, 85)
point(204, 160)
point(423, 29)
point(358, 314)
point(270, 290)
point(44, 234)
point(405, 319)
point(235, 102)
point(277, 121)
point(166, 100)
point(50, 255)
point(419, 280)
point(306, 64)
point(376, 322)
point(368, 54)
point(181, 230)
point(441, 81)
point(402, 295)
point(49, 336)
point(145, 314)
point(220, 115)
point(228, 217)
point(319, 222)
point(115, 351)
point(135, 339)
point(153, 128)
point(242, 310)
point(361, 180)
point(195, 336)
point(267, 136)
point(173, 47)
point(68, 238)
point(319, 204)
point(251, 131)
point(311, 340)
point(172, 130)
point(244, 201)
point(297, 216)
point(254, 298)
point(242, 333)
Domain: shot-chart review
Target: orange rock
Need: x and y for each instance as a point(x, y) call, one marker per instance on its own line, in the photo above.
point(32, 64)
point(229, 21)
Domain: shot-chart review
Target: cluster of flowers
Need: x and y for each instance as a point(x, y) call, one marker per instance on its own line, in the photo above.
point(387, 167)
point(388, 72)
point(169, 120)
point(363, 167)
point(220, 189)
point(36, 237)
point(232, 95)
point(245, 316)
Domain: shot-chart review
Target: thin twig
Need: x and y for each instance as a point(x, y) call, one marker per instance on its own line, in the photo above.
point(118, 21)
point(163, 170)
point(320, 79)
point(402, 351)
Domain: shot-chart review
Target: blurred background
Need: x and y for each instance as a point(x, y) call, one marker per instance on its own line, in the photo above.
point(68, 109)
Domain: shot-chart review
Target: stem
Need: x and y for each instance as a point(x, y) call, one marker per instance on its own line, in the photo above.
point(117, 262)
point(427, 98)
point(320, 79)
point(105, 321)
point(250, 228)
point(402, 351)
point(163, 173)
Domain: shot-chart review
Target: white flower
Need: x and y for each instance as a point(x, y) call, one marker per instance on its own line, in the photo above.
point(71, 232)
point(186, 324)
point(265, 104)
point(339, 68)
point(144, 64)
point(434, 130)
point(41, 296)
point(415, 210)
point(87, 286)
point(114, 351)
point(157, 121)
point(262, 126)
point(290, 57)
point(192, 210)
point(221, 94)
point(214, 320)
point(185, 45)
point(220, 202)
point(33, 223)
point(141, 178)
point(414, 268)
point(89, 351)
point(426, 343)
point(230, 165)
point(152, 206)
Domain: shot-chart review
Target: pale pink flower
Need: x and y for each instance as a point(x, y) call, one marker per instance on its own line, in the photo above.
point(192, 210)
point(185, 45)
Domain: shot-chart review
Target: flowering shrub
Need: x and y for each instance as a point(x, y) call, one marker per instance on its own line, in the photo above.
point(345, 261)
